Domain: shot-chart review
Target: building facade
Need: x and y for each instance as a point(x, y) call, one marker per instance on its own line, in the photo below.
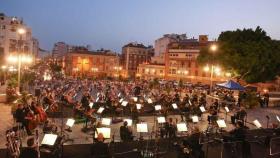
point(11, 41)
point(181, 63)
point(88, 63)
point(134, 54)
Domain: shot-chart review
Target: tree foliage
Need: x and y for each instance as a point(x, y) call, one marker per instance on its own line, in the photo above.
point(252, 54)
point(55, 68)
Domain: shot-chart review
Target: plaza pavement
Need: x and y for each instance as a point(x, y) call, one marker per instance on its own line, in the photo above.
point(6, 122)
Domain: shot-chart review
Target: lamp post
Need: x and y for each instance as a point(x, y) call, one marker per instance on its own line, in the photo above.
point(213, 49)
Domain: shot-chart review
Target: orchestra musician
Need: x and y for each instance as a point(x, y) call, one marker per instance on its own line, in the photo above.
point(99, 149)
point(30, 151)
point(20, 115)
point(125, 132)
point(193, 143)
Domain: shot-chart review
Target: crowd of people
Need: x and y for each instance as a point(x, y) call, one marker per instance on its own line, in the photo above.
point(117, 98)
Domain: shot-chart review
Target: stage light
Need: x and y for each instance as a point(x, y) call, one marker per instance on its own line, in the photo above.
point(161, 119)
point(142, 127)
point(150, 101)
point(49, 139)
point(174, 105)
point(257, 123)
point(202, 109)
point(182, 127)
point(106, 121)
point(129, 122)
point(135, 99)
point(105, 131)
point(124, 103)
point(158, 107)
point(277, 117)
point(227, 109)
point(70, 122)
point(100, 110)
point(194, 119)
point(121, 100)
point(90, 104)
point(221, 123)
point(138, 106)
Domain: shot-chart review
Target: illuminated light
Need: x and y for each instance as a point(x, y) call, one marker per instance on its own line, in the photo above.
point(228, 74)
point(12, 59)
point(4, 67)
point(186, 72)
point(21, 31)
point(178, 71)
point(217, 69)
point(213, 47)
point(265, 90)
point(206, 68)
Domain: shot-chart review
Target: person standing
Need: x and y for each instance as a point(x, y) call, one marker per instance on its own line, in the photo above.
point(30, 151)
point(99, 149)
point(125, 132)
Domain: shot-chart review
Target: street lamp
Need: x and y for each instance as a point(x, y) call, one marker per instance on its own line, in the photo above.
point(214, 69)
point(19, 59)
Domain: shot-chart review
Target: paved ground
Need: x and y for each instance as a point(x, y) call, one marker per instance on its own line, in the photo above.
point(6, 122)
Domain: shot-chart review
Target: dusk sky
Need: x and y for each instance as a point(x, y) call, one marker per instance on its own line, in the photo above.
point(110, 24)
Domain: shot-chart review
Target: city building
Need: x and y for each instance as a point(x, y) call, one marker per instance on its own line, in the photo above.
point(134, 54)
point(161, 46)
point(180, 63)
point(99, 63)
point(11, 41)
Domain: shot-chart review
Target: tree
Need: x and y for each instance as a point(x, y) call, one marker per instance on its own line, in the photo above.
point(251, 54)
point(55, 68)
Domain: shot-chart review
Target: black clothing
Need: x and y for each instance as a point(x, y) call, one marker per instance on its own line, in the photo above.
point(100, 150)
point(125, 134)
point(28, 153)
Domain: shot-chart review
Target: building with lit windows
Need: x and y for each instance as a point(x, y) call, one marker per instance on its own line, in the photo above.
point(10, 39)
point(134, 54)
point(100, 63)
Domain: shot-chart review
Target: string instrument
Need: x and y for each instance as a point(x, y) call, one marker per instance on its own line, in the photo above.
point(33, 121)
point(42, 116)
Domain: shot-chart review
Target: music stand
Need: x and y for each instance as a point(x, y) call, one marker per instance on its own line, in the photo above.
point(257, 123)
point(90, 105)
point(182, 127)
point(161, 119)
point(49, 139)
point(142, 128)
point(195, 119)
point(100, 110)
point(202, 109)
point(174, 105)
point(124, 103)
point(106, 121)
point(227, 111)
point(121, 100)
point(129, 122)
point(150, 101)
point(105, 131)
point(158, 107)
point(278, 118)
point(135, 99)
point(221, 123)
point(138, 106)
